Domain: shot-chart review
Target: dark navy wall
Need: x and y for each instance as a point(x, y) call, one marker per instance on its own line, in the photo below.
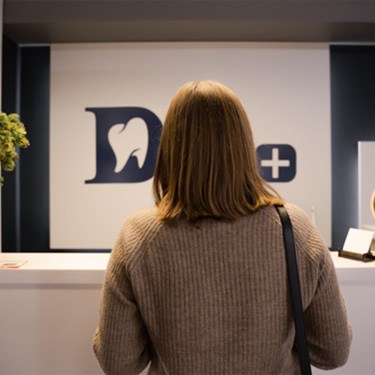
point(25, 197)
point(10, 104)
point(353, 120)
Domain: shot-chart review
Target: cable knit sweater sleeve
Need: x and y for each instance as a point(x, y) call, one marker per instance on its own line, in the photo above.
point(121, 343)
point(328, 333)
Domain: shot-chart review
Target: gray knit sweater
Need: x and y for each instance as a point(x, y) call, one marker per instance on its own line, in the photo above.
point(211, 297)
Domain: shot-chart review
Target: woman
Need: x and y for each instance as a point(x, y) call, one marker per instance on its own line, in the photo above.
point(197, 284)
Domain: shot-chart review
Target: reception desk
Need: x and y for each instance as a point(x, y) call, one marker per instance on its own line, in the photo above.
point(49, 311)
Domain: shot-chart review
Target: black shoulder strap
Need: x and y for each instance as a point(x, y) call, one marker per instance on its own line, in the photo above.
point(295, 290)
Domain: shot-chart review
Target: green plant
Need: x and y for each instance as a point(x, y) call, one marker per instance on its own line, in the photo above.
point(12, 135)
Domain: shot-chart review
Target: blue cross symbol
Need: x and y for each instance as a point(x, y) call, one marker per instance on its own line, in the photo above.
point(277, 162)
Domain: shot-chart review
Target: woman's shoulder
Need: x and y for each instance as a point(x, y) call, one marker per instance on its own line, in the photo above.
point(301, 222)
point(143, 215)
point(141, 222)
point(307, 236)
point(136, 231)
point(297, 213)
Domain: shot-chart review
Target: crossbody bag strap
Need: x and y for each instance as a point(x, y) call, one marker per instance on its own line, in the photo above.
point(295, 290)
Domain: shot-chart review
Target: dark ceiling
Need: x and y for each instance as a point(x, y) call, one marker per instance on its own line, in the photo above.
point(70, 21)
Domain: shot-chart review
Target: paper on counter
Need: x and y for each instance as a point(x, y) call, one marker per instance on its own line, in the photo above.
point(12, 263)
point(358, 240)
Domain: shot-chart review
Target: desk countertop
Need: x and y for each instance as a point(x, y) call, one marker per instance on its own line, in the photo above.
point(88, 268)
point(54, 268)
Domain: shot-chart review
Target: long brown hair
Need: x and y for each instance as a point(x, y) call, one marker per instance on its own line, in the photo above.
point(207, 164)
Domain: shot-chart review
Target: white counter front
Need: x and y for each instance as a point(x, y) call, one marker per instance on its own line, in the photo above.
point(54, 268)
point(49, 311)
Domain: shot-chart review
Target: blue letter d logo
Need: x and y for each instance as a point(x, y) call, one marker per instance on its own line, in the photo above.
point(127, 139)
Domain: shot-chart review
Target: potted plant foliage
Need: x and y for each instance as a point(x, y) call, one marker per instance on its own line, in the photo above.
point(12, 135)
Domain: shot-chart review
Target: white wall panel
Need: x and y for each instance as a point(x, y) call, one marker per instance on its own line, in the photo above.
point(284, 88)
point(366, 185)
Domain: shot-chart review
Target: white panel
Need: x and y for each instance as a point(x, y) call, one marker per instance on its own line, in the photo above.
point(284, 88)
point(366, 184)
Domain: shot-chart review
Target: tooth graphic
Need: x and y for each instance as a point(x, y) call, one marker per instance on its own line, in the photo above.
point(127, 141)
